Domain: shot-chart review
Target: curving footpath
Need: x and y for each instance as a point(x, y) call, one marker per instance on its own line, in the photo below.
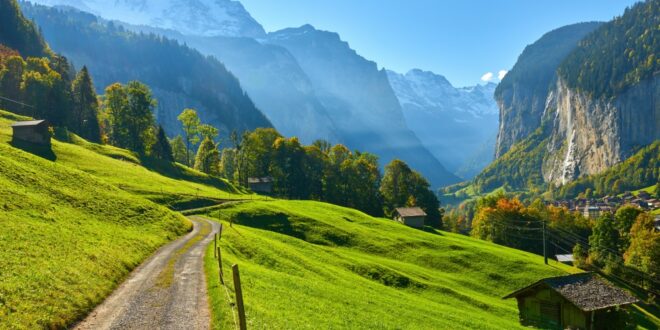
point(168, 291)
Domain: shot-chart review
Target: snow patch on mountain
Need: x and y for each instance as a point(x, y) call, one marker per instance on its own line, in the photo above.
point(190, 17)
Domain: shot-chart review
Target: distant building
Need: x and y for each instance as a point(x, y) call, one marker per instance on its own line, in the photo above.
point(591, 212)
point(644, 195)
point(410, 216)
point(656, 222)
point(34, 131)
point(261, 185)
point(578, 301)
point(565, 258)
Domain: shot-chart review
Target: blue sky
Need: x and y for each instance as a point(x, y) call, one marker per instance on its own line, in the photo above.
point(460, 39)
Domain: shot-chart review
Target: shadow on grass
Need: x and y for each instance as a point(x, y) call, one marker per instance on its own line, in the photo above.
point(174, 171)
point(43, 151)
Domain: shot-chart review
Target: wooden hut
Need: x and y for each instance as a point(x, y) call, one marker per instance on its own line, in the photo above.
point(261, 185)
point(573, 301)
point(34, 131)
point(410, 216)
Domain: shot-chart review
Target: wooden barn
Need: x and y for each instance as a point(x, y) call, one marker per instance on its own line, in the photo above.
point(261, 185)
point(34, 131)
point(576, 301)
point(410, 216)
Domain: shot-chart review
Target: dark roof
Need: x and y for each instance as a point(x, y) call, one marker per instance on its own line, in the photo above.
point(410, 212)
point(587, 291)
point(28, 123)
point(260, 180)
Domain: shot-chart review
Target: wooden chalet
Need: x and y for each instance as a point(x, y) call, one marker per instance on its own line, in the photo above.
point(34, 131)
point(261, 185)
point(576, 301)
point(410, 216)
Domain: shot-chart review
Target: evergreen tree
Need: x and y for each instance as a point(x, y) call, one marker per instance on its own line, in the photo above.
point(161, 149)
point(84, 118)
point(208, 157)
point(190, 122)
point(179, 149)
point(228, 163)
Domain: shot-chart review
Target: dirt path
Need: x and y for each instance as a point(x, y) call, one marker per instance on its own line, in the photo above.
point(168, 291)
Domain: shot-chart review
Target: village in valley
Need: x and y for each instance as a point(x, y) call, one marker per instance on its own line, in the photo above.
point(595, 207)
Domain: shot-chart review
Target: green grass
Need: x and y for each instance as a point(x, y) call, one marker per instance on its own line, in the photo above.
point(164, 183)
point(313, 265)
point(75, 219)
point(67, 239)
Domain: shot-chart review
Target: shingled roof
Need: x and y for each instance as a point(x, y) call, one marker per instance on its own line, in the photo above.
point(410, 212)
point(587, 291)
point(28, 123)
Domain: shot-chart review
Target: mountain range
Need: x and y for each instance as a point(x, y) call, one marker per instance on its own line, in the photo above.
point(311, 84)
point(580, 100)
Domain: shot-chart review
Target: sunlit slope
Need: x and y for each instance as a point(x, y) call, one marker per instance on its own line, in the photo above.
point(164, 183)
point(315, 265)
point(67, 238)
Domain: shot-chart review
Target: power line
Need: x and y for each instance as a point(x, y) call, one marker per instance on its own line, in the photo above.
point(17, 102)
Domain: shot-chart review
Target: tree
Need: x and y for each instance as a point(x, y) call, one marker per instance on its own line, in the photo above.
point(84, 119)
point(604, 242)
point(130, 113)
point(141, 123)
point(400, 182)
point(287, 168)
point(579, 256)
point(208, 157)
point(624, 219)
point(255, 154)
point(190, 122)
point(657, 190)
point(161, 149)
point(644, 250)
point(179, 149)
point(115, 107)
point(228, 163)
point(208, 131)
point(315, 165)
point(10, 83)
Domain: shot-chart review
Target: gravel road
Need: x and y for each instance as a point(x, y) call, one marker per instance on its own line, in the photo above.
point(168, 291)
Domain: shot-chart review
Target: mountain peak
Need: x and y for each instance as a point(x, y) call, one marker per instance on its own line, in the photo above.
point(190, 17)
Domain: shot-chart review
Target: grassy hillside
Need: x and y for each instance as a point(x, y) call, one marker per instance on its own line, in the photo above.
point(67, 239)
point(167, 184)
point(78, 218)
point(309, 264)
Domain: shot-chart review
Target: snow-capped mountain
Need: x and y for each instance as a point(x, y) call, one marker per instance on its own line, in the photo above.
point(190, 17)
point(458, 125)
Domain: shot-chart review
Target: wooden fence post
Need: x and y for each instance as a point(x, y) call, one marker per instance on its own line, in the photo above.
point(215, 245)
point(220, 232)
point(220, 273)
point(239, 298)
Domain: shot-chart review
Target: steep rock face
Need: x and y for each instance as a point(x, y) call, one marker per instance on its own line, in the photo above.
point(359, 99)
point(458, 125)
point(591, 135)
point(522, 94)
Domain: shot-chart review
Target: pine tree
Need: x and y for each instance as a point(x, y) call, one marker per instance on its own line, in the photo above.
point(179, 149)
point(161, 149)
point(84, 118)
point(208, 157)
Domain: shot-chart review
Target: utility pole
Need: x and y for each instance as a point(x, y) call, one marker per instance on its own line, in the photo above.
point(545, 254)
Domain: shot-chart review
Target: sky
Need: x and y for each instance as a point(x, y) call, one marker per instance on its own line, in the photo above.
point(467, 41)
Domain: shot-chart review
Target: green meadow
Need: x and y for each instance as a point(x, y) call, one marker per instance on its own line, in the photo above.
point(77, 219)
point(306, 265)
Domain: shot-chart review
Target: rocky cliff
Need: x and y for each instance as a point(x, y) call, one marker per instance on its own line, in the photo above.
point(522, 94)
point(590, 135)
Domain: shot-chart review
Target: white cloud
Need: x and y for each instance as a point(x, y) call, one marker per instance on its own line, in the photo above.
point(501, 74)
point(488, 76)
